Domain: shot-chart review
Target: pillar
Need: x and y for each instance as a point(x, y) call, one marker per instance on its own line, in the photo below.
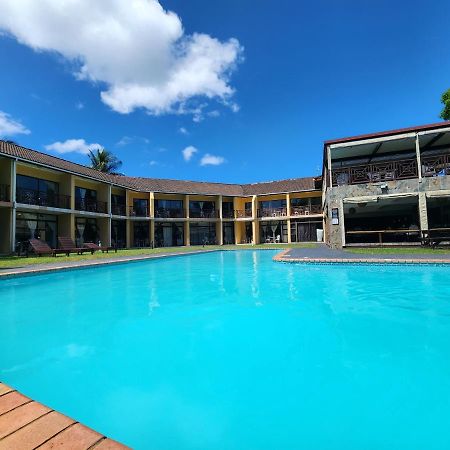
point(12, 234)
point(419, 163)
point(187, 236)
point(288, 213)
point(423, 211)
point(219, 226)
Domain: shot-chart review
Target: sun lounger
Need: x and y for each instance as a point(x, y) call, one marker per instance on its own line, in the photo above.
point(42, 248)
point(96, 248)
point(66, 243)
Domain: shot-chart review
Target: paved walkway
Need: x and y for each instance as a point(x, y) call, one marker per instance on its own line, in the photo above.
point(26, 425)
point(324, 254)
point(32, 269)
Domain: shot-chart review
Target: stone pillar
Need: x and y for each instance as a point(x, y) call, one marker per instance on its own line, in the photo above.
point(423, 211)
point(12, 235)
point(419, 162)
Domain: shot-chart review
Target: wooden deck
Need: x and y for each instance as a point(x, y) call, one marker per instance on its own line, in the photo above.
point(26, 424)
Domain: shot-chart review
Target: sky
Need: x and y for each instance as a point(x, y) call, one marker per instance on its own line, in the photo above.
point(227, 90)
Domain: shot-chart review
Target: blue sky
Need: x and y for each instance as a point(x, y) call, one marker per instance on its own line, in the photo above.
point(293, 74)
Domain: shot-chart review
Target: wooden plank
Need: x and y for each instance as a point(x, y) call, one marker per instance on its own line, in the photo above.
point(12, 400)
point(21, 416)
point(76, 437)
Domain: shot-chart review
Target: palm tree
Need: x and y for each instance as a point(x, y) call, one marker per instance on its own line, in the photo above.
point(104, 161)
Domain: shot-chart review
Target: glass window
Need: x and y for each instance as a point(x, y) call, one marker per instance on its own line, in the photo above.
point(203, 233)
point(119, 233)
point(202, 209)
point(228, 233)
point(38, 226)
point(169, 234)
point(273, 231)
point(86, 230)
point(141, 234)
point(140, 207)
point(168, 204)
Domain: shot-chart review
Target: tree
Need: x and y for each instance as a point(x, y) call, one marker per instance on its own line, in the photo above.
point(104, 161)
point(445, 99)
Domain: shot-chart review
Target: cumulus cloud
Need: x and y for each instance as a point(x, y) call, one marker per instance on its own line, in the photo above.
point(72, 146)
point(211, 160)
point(10, 127)
point(183, 130)
point(138, 50)
point(79, 105)
point(189, 152)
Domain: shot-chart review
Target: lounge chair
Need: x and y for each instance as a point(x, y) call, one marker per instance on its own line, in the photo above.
point(66, 243)
point(96, 248)
point(42, 248)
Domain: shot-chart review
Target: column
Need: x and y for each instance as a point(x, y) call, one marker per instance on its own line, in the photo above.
point(12, 235)
point(219, 227)
point(187, 237)
point(255, 230)
point(288, 213)
point(423, 211)
point(151, 205)
point(419, 163)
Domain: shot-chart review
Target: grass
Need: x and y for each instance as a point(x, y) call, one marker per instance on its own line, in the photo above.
point(398, 251)
point(9, 262)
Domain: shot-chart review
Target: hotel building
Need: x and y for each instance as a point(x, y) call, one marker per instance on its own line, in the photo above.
point(46, 197)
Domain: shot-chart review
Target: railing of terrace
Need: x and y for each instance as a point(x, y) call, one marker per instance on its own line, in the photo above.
point(196, 214)
point(433, 166)
point(243, 213)
point(4, 193)
point(41, 198)
point(91, 205)
point(118, 210)
point(139, 211)
point(376, 172)
point(272, 212)
point(170, 213)
point(305, 210)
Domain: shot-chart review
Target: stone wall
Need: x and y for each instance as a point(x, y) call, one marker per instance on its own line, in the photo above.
point(334, 199)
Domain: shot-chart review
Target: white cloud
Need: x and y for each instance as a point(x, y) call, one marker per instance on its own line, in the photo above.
point(214, 113)
point(153, 163)
point(183, 130)
point(138, 50)
point(72, 146)
point(79, 105)
point(189, 152)
point(211, 160)
point(10, 127)
point(127, 140)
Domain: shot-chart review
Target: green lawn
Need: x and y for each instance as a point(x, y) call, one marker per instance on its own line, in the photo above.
point(20, 261)
point(398, 251)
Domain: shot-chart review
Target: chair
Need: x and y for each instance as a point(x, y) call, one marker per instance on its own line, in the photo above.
point(66, 243)
point(96, 248)
point(42, 248)
point(278, 239)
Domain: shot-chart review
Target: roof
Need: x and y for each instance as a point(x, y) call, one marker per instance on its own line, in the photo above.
point(428, 127)
point(157, 184)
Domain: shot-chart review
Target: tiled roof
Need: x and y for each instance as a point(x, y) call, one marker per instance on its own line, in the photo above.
point(158, 184)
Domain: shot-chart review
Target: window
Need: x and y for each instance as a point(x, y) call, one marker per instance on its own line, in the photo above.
point(228, 233)
point(35, 191)
point(118, 205)
point(119, 233)
point(36, 226)
point(169, 208)
point(140, 207)
point(203, 233)
point(202, 209)
point(273, 231)
point(86, 230)
point(141, 234)
point(85, 199)
point(169, 234)
point(227, 210)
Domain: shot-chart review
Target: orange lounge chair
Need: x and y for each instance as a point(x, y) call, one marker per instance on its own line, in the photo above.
point(67, 244)
point(96, 248)
point(42, 248)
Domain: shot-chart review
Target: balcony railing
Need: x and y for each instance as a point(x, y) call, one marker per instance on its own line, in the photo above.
point(91, 205)
point(227, 214)
point(139, 211)
point(41, 198)
point(118, 210)
point(4, 193)
point(170, 213)
point(376, 172)
point(200, 214)
point(272, 212)
point(433, 166)
point(243, 213)
point(305, 210)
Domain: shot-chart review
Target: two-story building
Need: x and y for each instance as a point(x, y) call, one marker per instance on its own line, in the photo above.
point(45, 197)
point(387, 188)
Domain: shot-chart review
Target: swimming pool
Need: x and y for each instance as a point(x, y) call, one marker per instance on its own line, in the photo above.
point(229, 350)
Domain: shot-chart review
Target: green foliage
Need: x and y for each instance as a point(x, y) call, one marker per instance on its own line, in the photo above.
point(445, 99)
point(104, 161)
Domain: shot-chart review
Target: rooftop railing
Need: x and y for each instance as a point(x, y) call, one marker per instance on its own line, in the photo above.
point(91, 205)
point(41, 198)
point(375, 172)
point(4, 193)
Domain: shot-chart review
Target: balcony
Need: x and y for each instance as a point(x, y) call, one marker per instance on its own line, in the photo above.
point(170, 213)
point(435, 166)
point(41, 198)
point(243, 213)
point(376, 172)
point(200, 214)
point(89, 205)
point(4, 193)
point(118, 210)
point(272, 212)
point(139, 211)
point(305, 210)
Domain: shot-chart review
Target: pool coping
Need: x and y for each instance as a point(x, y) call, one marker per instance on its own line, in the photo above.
point(285, 258)
point(25, 423)
point(89, 264)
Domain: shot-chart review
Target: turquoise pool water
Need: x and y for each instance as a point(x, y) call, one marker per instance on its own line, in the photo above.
point(230, 350)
